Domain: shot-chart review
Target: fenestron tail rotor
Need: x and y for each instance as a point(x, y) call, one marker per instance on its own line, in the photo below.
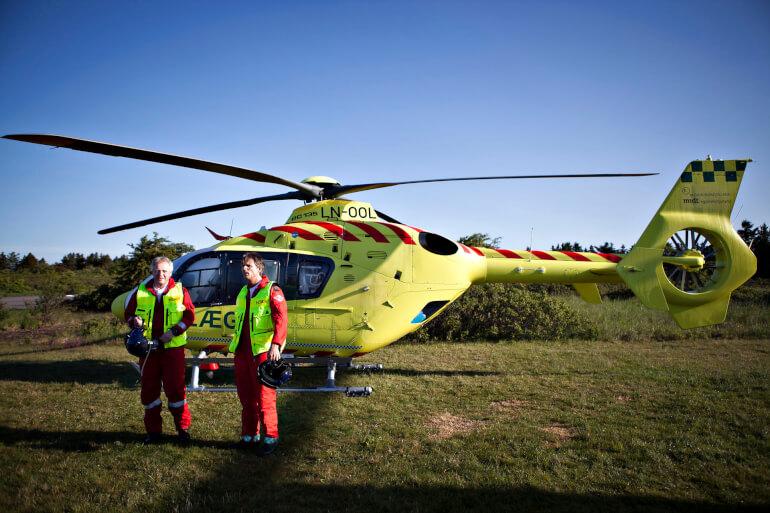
point(312, 189)
point(697, 260)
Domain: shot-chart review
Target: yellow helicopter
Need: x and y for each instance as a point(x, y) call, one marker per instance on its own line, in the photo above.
point(357, 280)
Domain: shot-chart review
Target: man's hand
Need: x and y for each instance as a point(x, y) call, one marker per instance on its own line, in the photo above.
point(275, 352)
point(166, 337)
point(135, 322)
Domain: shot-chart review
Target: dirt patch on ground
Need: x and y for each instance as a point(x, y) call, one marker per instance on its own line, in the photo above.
point(561, 433)
point(511, 405)
point(448, 425)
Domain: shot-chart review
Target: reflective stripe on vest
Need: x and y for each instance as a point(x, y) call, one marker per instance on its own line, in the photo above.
point(173, 308)
point(260, 319)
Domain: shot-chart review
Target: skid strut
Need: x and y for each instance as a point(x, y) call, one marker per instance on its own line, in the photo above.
point(330, 385)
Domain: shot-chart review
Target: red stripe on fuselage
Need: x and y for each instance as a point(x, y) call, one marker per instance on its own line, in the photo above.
point(299, 231)
point(370, 230)
point(336, 229)
point(477, 251)
point(611, 258)
point(465, 248)
point(507, 253)
point(400, 232)
point(542, 255)
point(255, 236)
point(576, 256)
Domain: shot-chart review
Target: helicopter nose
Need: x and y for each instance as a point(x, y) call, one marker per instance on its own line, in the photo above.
point(118, 306)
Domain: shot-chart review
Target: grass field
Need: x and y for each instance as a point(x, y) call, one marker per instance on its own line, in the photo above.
point(572, 426)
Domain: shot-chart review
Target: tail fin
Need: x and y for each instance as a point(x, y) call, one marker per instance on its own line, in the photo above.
point(690, 259)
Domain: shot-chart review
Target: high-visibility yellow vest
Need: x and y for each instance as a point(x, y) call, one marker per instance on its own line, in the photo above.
point(260, 320)
point(173, 308)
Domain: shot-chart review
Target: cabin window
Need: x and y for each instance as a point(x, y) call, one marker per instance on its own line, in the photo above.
point(202, 278)
point(307, 276)
point(216, 278)
point(274, 266)
point(311, 278)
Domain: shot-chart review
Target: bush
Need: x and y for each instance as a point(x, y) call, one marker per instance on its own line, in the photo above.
point(755, 292)
point(101, 327)
point(4, 316)
point(29, 320)
point(99, 299)
point(496, 311)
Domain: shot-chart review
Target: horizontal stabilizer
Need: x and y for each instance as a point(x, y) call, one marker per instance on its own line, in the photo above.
point(589, 292)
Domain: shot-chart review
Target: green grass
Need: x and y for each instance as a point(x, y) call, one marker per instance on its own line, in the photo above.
point(629, 320)
point(24, 331)
point(568, 426)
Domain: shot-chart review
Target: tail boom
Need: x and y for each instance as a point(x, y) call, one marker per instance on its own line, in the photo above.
point(533, 266)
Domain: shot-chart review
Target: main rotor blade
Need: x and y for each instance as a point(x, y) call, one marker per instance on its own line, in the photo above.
point(72, 143)
point(333, 192)
point(386, 217)
point(202, 210)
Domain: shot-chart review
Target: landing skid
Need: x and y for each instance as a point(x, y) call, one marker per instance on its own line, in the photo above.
point(329, 386)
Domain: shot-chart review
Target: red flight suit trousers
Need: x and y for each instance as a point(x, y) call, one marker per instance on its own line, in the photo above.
point(164, 367)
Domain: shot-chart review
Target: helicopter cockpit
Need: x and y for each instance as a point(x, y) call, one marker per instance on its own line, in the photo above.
point(214, 278)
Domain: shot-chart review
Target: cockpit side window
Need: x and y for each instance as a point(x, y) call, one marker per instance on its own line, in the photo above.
point(202, 277)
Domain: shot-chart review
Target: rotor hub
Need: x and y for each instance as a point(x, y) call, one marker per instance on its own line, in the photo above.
point(691, 260)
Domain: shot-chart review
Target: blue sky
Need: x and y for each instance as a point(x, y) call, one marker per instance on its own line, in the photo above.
point(372, 91)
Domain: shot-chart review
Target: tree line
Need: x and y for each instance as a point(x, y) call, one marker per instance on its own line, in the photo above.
point(96, 279)
point(73, 261)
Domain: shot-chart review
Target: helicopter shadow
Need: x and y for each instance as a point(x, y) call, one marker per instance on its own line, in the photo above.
point(302, 496)
point(437, 372)
point(89, 440)
point(100, 372)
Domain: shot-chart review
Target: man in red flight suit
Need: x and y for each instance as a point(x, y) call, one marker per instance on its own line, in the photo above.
point(165, 310)
point(260, 334)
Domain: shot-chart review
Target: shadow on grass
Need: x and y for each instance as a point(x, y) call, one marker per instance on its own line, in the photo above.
point(69, 371)
point(437, 372)
point(281, 489)
point(300, 496)
point(243, 482)
point(88, 441)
